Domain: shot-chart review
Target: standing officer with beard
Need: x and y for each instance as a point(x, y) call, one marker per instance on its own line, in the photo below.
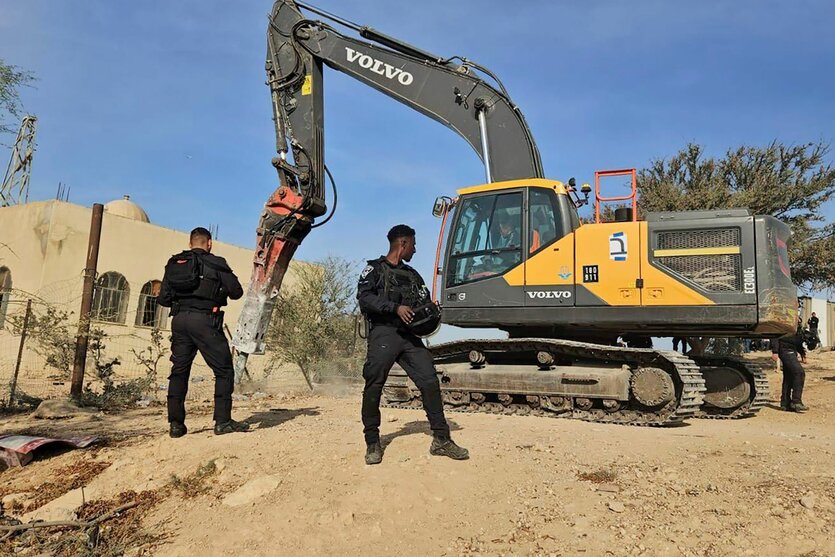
point(383, 292)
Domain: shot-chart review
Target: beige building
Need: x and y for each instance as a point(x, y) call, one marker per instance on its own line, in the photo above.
point(43, 248)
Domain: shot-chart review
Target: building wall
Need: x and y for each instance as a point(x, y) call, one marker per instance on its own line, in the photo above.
point(824, 311)
point(821, 309)
point(47, 243)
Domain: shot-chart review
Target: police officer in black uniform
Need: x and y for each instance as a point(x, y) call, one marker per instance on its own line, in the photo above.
point(384, 294)
point(813, 325)
point(787, 348)
point(197, 324)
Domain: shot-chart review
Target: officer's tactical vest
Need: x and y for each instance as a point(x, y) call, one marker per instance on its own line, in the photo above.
point(404, 287)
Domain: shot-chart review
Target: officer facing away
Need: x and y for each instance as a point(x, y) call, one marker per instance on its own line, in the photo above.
point(382, 293)
point(787, 348)
point(195, 286)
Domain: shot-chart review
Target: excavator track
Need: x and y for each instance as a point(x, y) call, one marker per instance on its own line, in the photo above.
point(683, 373)
point(758, 392)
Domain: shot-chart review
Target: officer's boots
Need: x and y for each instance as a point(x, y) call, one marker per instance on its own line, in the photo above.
point(447, 447)
point(176, 429)
point(231, 427)
point(374, 453)
point(798, 407)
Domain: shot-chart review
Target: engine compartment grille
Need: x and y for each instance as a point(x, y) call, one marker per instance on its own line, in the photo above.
point(692, 239)
point(714, 273)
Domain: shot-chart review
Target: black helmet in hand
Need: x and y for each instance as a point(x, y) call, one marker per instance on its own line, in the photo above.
point(427, 319)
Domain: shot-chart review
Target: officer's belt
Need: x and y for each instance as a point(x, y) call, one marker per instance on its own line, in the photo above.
point(212, 311)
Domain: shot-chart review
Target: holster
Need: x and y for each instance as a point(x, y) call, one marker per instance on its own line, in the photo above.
point(217, 320)
point(175, 309)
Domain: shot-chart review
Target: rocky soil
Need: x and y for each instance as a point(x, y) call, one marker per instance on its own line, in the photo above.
point(297, 484)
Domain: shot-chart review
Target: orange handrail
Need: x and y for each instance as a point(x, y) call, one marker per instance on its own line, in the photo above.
point(633, 197)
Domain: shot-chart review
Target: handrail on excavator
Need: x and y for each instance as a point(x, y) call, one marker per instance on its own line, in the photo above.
point(633, 197)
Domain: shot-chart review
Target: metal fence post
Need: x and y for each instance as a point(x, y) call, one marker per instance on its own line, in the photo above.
point(80, 360)
point(13, 386)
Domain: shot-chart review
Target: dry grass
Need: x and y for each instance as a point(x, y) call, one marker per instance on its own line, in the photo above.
point(600, 476)
point(66, 479)
point(111, 538)
point(194, 484)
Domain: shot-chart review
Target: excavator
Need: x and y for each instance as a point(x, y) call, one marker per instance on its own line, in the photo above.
point(517, 256)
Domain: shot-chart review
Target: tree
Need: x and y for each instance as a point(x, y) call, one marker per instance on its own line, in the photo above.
point(314, 321)
point(11, 79)
point(790, 182)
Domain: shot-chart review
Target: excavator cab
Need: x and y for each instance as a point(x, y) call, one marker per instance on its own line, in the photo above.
point(516, 258)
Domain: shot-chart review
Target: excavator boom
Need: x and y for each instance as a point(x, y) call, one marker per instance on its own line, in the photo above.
point(454, 94)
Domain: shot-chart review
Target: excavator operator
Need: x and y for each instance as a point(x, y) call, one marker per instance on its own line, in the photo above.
point(384, 291)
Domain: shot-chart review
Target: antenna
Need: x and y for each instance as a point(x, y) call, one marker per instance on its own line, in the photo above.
point(16, 182)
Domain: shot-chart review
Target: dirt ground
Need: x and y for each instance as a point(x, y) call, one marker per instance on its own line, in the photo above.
point(297, 484)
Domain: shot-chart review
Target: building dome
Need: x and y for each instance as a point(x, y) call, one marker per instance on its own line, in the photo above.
point(126, 208)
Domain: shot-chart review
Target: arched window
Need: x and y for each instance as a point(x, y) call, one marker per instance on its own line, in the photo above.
point(149, 313)
point(110, 298)
point(5, 292)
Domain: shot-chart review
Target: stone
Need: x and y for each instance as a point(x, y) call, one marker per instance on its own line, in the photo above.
point(608, 488)
point(62, 508)
point(391, 418)
point(259, 395)
point(251, 490)
point(14, 499)
point(616, 506)
point(59, 408)
point(808, 501)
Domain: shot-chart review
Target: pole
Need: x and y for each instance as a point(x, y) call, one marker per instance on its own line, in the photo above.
point(13, 387)
point(83, 336)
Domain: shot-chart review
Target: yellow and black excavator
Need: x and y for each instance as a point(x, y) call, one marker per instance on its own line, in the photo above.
point(517, 257)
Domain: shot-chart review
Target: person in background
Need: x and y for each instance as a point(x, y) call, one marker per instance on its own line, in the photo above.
point(813, 323)
point(787, 349)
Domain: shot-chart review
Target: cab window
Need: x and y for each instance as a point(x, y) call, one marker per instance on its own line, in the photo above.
point(543, 226)
point(487, 240)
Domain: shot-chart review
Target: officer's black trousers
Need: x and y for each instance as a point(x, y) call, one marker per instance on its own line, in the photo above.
point(190, 332)
point(794, 377)
point(385, 347)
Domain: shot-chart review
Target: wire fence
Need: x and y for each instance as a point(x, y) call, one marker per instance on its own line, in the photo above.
point(37, 353)
point(36, 357)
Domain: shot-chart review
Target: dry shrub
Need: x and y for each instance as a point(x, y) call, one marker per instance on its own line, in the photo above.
point(194, 484)
point(600, 476)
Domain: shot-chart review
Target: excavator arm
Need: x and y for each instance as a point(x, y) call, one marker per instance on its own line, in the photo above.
point(451, 91)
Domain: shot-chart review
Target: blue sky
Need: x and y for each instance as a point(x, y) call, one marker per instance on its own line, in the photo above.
point(165, 101)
